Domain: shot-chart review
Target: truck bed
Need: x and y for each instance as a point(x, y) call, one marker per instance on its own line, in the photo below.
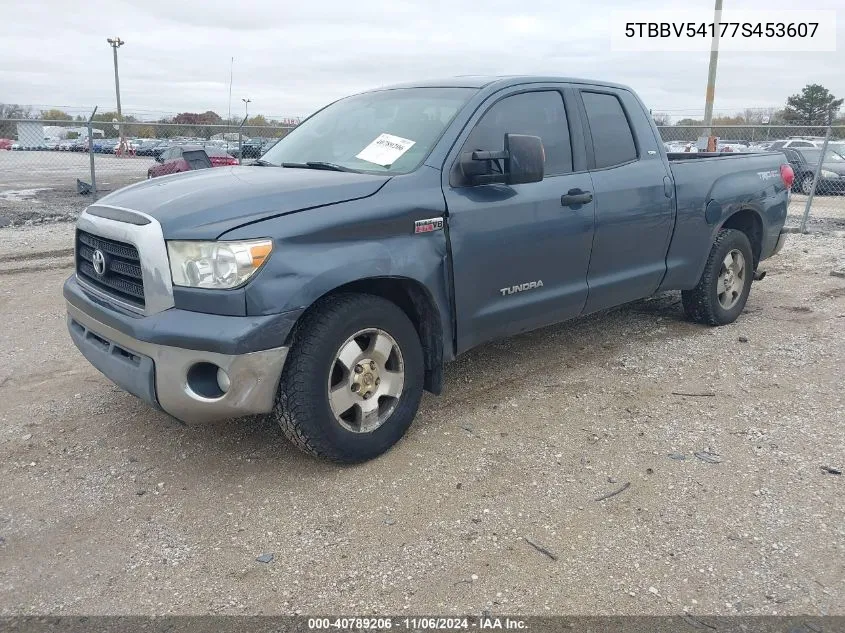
point(710, 187)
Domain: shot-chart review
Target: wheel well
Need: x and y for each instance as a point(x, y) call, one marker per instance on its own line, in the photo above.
point(416, 302)
point(747, 221)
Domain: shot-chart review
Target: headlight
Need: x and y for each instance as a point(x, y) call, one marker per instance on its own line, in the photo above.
point(220, 265)
point(829, 174)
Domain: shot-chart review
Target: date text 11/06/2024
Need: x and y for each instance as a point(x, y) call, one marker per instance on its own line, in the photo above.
point(484, 623)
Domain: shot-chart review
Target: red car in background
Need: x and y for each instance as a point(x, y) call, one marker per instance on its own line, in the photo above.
point(189, 157)
point(6, 143)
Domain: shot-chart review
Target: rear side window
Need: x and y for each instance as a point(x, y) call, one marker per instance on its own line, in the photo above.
point(613, 141)
point(535, 113)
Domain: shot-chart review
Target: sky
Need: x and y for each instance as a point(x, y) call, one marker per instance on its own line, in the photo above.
point(293, 56)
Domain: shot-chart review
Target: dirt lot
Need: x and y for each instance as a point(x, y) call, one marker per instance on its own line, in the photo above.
point(37, 187)
point(109, 507)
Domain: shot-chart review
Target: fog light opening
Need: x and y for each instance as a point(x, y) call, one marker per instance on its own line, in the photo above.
point(223, 380)
point(204, 379)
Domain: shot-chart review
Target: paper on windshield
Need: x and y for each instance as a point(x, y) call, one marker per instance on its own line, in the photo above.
point(385, 150)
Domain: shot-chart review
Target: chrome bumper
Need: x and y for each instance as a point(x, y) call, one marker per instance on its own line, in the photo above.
point(159, 374)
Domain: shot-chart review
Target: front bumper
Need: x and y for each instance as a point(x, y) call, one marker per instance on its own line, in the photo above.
point(174, 378)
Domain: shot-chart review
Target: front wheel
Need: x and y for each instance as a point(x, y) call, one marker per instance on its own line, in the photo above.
point(353, 379)
point(725, 284)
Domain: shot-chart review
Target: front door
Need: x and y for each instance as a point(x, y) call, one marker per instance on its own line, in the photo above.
point(520, 253)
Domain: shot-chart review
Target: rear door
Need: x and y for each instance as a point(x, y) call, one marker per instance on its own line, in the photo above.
point(519, 255)
point(633, 196)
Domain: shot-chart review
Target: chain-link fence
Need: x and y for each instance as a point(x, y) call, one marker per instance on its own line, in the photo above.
point(816, 154)
point(52, 169)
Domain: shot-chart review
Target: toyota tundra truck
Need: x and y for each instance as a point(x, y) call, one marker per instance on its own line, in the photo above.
point(327, 283)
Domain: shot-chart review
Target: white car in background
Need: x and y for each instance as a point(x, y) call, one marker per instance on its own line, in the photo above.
point(795, 143)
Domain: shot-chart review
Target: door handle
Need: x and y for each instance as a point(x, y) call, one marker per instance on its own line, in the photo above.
point(574, 197)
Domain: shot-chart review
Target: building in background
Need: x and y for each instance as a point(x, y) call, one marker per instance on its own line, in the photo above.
point(60, 132)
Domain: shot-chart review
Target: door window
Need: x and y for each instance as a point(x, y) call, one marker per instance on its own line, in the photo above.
point(534, 113)
point(613, 141)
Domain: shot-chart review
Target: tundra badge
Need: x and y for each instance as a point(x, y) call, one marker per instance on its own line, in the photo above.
point(528, 285)
point(429, 225)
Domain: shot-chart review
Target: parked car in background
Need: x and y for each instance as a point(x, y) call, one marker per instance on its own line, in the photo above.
point(727, 141)
point(731, 147)
point(250, 148)
point(793, 143)
point(6, 143)
point(146, 148)
point(804, 162)
point(109, 144)
point(160, 148)
point(174, 160)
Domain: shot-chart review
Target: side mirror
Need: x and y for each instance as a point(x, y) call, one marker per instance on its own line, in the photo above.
point(523, 157)
point(527, 158)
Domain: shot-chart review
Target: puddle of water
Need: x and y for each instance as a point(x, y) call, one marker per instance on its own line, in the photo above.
point(19, 195)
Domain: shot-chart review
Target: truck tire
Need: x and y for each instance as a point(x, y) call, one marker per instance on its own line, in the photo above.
point(725, 284)
point(353, 379)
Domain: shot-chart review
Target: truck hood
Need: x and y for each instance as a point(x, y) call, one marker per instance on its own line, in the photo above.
point(206, 203)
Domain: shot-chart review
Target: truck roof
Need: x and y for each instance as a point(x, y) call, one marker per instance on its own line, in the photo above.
point(499, 81)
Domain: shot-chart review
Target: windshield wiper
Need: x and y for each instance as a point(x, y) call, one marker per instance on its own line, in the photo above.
point(261, 163)
point(313, 164)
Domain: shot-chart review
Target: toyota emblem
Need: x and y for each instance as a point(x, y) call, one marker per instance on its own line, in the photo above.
point(98, 259)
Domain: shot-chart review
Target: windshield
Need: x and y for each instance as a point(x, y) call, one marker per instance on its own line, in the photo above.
point(388, 131)
point(812, 156)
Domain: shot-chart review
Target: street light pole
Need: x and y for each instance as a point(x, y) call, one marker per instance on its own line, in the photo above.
point(115, 43)
point(711, 73)
point(246, 103)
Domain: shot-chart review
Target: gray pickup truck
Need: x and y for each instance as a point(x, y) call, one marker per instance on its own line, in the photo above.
point(327, 284)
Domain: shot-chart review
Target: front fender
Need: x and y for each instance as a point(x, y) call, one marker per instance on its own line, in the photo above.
point(320, 250)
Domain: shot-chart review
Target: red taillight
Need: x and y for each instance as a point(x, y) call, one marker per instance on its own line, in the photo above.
point(223, 161)
point(787, 175)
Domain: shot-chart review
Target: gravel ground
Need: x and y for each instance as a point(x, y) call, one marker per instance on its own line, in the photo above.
point(491, 501)
point(40, 187)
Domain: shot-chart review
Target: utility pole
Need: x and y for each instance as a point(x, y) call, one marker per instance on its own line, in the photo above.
point(231, 75)
point(246, 103)
point(115, 43)
point(711, 73)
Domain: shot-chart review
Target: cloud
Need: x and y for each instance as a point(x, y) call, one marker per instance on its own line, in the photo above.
point(291, 58)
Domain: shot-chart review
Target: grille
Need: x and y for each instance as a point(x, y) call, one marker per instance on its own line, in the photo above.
point(122, 277)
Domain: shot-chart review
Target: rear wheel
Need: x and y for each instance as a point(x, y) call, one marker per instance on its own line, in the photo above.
point(353, 379)
point(725, 284)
